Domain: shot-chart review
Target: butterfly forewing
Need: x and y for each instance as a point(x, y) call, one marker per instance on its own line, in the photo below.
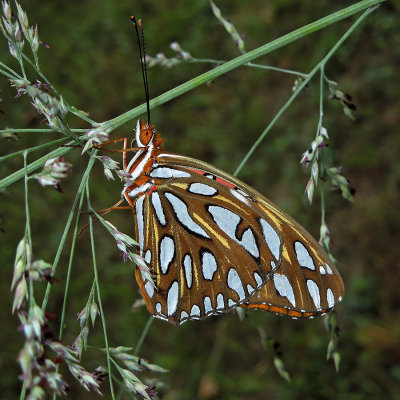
point(214, 243)
point(205, 254)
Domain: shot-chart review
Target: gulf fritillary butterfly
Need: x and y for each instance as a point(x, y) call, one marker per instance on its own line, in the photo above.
point(215, 243)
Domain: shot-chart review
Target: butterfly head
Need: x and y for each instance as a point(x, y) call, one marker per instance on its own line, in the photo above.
point(146, 135)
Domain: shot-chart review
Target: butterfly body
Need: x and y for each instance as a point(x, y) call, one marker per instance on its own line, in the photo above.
point(214, 243)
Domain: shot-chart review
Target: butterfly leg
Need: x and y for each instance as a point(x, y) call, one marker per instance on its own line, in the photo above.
point(105, 211)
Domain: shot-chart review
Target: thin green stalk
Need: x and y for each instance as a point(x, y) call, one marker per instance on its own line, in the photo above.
point(23, 390)
point(321, 99)
point(143, 335)
point(8, 180)
point(322, 205)
point(321, 116)
point(28, 236)
point(300, 88)
point(81, 188)
point(21, 63)
point(16, 75)
point(31, 149)
point(249, 64)
point(284, 70)
point(80, 115)
point(96, 278)
point(116, 365)
point(321, 163)
point(9, 76)
point(27, 215)
point(71, 257)
point(38, 130)
point(243, 59)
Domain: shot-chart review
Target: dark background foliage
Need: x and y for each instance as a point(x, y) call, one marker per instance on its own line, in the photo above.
point(93, 61)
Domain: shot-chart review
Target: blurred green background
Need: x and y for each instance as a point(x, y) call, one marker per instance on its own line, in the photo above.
point(93, 62)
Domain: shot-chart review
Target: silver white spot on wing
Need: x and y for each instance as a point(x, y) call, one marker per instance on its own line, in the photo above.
point(207, 305)
point(208, 265)
point(322, 270)
point(182, 214)
point(158, 307)
point(284, 288)
point(330, 298)
point(235, 283)
point(140, 222)
point(225, 219)
point(187, 266)
point(271, 238)
point(147, 256)
point(303, 256)
point(149, 288)
point(184, 315)
point(244, 194)
point(228, 222)
point(165, 173)
point(258, 278)
point(329, 269)
point(220, 301)
point(250, 289)
point(231, 303)
point(239, 196)
point(167, 253)
point(249, 242)
point(201, 188)
point(172, 298)
point(155, 200)
point(195, 311)
point(314, 293)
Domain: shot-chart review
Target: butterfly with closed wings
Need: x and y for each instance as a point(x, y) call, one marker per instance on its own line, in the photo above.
point(214, 243)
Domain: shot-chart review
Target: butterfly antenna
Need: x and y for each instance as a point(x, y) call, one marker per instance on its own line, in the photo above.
point(143, 64)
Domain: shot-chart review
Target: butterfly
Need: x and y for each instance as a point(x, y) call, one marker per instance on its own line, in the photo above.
point(214, 243)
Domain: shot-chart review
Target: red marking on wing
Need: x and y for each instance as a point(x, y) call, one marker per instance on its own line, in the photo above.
point(225, 183)
point(216, 178)
point(198, 171)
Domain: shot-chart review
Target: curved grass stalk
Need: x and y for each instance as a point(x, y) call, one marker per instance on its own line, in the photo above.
point(301, 87)
point(32, 149)
point(37, 130)
point(33, 166)
point(243, 59)
point(81, 188)
point(97, 285)
point(249, 64)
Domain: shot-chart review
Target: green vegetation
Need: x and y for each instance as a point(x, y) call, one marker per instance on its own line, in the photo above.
point(92, 61)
